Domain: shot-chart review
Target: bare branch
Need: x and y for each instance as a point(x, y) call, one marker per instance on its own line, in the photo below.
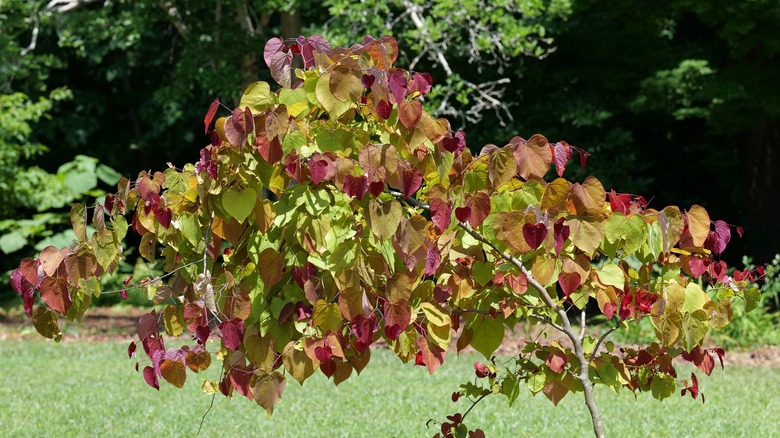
point(175, 16)
point(34, 38)
point(64, 6)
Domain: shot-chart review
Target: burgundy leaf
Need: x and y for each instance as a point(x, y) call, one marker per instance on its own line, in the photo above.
point(583, 158)
point(356, 186)
point(364, 327)
point(645, 301)
point(561, 154)
point(397, 84)
point(368, 81)
point(718, 270)
point(560, 234)
point(609, 310)
point(393, 331)
point(328, 367)
point(463, 214)
point(202, 333)
point(281, 68)
point(723, 236)
point(441, 295)
point(163, 217)
point(323, 354)
point(151, 378)
point(740, 231)
point(123, 294)
point(384, 108)
point(569, 282)
point(210, 114)
point(481, 370)
point(534, 234)
point(232, 333)
point(318, 170)
point(422, 82)
point(432, 261)
point(626, 306)
point(412, 180)
point(441, 214)
point(376, 188)
point(131, 349)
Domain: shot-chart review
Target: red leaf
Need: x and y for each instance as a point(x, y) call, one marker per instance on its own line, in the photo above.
point(455, 396)
point(269, 149)
point(422, 82)
point(560, 234)
point(481, 370)
point(645, 301)
point(480, 208)
point(163, 217)
point(272, 47)
point(626, 306)
point(556, 361)
point(561, 154)
point(232, 333)
point(356, 186)
point(534, 234)
point(432, 261)
point(323, 354)
point(202, 333)
point(281, 67)
point(318, 170)
point(23, 287)
point(583, 158)
point(442, 295)
point(432, 355)
point(569, 282)
point(463, 214)
point(393, 331)
point(698, 266)
point(418, 360)
point(409, 113)
point(328, 367)
point(441, 214)
point(397, 84)
point(718, 270)
point(368, 81)
point(210, 114)
point(411, 180)
point(123, 294)
point(376, 188)
point(384, 109)
point(54, 291)
point(740, 231)
point(722, 236)
point(151, 378)
point(131, 349)
point(364, 328)
point(609, 310)
point(456, 143)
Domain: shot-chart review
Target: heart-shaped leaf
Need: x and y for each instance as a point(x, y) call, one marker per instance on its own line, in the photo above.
point(534, 234)
point(239, 203)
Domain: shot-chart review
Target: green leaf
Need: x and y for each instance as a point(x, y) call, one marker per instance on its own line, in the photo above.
point(239, 203)
point(488, 335)
point(752, 297)
point(190, 228)
point(257, 97)
point(694, 328)
point(335, 107)
point(611, 275)
point(327, 316)
point(694, 298)
point(107, 174)
point(295, 100)
point(663, 386)
point(483, 272)
point(13, 241)
point(510, 387)
point(78, 218)
point(586, 232)
point(536, 381)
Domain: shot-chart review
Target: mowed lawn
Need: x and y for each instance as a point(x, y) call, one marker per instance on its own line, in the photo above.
point(91, 389)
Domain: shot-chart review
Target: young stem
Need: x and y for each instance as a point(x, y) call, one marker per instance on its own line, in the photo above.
point(566, 327)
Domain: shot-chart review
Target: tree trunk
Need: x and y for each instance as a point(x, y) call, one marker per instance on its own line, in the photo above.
point(761, 182)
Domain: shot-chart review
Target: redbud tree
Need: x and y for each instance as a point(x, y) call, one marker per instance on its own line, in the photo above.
point(335, 211)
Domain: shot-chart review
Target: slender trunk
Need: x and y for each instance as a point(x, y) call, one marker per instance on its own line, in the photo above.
point(761, 182)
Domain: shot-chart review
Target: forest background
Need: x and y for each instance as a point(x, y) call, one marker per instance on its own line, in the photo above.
point(679, 102)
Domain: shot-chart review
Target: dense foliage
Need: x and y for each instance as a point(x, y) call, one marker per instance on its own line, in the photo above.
point(335, 211)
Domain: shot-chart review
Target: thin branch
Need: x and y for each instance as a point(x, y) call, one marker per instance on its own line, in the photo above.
point(176, 19)
point(34, 38)
point(601, 339)
point(474, 404)
point(582, 325)
point(64, 6)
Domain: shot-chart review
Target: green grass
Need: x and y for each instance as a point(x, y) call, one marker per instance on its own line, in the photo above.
point(91, 389)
